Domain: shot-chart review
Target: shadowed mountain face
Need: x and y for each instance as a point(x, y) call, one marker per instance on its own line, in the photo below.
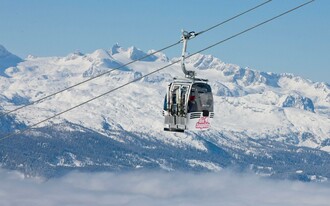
point(276, 125)
point(7, 59)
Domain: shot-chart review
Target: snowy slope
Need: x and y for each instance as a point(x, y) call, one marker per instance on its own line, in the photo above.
point(251, 107)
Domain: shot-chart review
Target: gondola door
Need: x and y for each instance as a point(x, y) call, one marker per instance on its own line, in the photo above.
point(176, 107)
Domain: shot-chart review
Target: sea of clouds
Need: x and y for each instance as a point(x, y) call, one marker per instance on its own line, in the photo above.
point(158, 188)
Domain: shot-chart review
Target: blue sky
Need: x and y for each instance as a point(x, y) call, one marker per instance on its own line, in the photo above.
point(296, 43)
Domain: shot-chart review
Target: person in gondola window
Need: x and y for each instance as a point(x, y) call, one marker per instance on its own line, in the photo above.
point(192, 106)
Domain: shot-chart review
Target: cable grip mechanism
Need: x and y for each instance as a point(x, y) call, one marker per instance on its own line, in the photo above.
point(184, 38)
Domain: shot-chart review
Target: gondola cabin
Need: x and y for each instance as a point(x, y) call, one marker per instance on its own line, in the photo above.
point(188, 105)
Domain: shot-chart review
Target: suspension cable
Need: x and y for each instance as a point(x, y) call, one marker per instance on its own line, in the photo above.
point(131, 62)
point(162, 68)
point(234, 17)
point(87, 80)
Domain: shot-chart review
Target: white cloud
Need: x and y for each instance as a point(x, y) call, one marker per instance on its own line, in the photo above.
point(157, 188)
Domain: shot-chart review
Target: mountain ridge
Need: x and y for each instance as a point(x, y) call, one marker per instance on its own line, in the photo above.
point(252, 108)
point(7, 59)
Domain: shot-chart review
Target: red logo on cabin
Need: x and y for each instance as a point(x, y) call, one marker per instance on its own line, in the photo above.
point(202, 123)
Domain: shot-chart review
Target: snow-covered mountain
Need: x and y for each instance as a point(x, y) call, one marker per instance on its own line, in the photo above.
point(7, 59)
point(274, 124)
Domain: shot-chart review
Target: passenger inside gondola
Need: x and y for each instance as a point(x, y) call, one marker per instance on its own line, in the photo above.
point(192, 105)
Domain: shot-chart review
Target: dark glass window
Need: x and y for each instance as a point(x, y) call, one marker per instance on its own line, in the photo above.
point(202, 96)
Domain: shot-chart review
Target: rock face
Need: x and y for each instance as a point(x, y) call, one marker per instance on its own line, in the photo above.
point(299, 102)
point(272, 124)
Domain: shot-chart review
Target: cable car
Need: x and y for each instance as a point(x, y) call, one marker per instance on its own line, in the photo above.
point(188, 103)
